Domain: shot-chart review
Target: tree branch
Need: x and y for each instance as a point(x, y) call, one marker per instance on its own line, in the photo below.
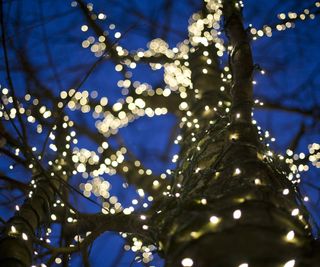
point(241, 62)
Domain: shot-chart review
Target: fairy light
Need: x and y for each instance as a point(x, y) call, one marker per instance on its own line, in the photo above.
point(204, 201)
point(257, 181)
point(290, 263)
point(285, 191)
point(237, 214)
point(187, 262)
point(214, 219)
point(237, 171)
point(295, 212)
point(290, 235)
point(13, 229)
point(24, 236)
point(234, 136)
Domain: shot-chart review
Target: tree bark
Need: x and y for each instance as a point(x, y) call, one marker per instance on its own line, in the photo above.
point(231, 202)
point(16, 244)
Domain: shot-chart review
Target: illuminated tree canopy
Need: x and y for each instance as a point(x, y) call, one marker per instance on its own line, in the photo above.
point(135, 133)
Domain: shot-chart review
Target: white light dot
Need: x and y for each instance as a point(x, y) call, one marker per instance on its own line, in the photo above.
point(290, 235)
point(290, 263)
point(237, 214)
point(187, 262)
point(295, 212)
point(84, 28)
point(285, 191)
point(214, 219)
point(13, 229)
point(257, 181)
point(244, 265)
point(81, 167)
point(237, 171)
point(24, 236)
point(117, 35)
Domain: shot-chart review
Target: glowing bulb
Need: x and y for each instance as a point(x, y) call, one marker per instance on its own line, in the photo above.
point(285, 191)
point(203, 201)
point(234, 136)
point(257, 181)
point(24, 236)
point(187, 262)
point(237, 171)
point(290, 263)
point(214, 219)
point(295, 212)
point(117, 35)
point(237, 214)
point(290, 235)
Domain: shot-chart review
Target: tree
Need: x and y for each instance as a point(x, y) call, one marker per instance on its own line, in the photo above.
point(230, 200)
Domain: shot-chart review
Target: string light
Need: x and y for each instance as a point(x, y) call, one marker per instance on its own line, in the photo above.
point(236, 214)
point(290, 263)
point(290, 235)
point(214, 219)
point(187, 262)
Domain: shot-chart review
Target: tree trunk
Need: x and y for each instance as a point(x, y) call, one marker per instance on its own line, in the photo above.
point(231, 202)
point(16, 244)
point(19, 234)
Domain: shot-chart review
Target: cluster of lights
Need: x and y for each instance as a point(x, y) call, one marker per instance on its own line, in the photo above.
point(110, 118)
point(314, 150)
point(287, 21)
point(188, 262)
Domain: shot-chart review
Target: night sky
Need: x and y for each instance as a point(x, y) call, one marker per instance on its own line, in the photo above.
point(49, 34)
